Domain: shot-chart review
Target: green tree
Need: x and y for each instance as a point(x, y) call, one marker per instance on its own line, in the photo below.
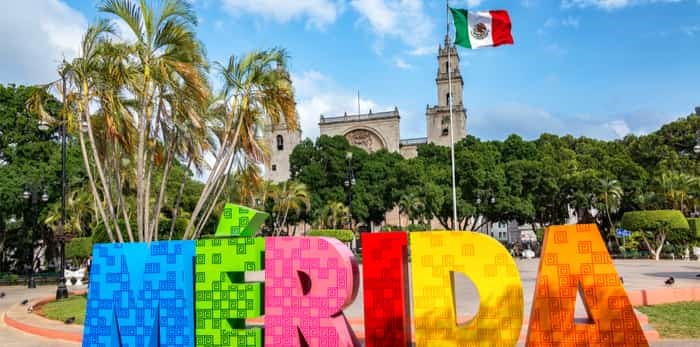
point(655, 227)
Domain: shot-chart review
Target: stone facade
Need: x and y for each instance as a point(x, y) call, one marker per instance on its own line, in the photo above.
point(374, 131)
point(371, 131)
point(381, 130)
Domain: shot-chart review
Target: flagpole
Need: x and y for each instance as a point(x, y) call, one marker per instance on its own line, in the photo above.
point(452, 136)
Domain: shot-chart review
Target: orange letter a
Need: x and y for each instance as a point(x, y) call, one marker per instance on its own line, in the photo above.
point(574, 259)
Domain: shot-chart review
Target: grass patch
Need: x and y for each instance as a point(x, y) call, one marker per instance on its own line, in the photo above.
point(679, 320)
point(60, 310)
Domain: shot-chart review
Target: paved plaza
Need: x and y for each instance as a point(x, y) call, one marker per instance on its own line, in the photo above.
point(637, 274)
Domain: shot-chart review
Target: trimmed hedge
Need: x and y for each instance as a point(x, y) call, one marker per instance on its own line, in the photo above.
point(418, 227)
point(342, 235)
point(654, 220)
point(694, 224)
point(99, 235)
point(79, 248)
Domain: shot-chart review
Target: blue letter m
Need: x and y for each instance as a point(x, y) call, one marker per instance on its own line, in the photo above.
point(141, 295)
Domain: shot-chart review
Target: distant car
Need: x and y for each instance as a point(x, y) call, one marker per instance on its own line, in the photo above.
point(528, 254)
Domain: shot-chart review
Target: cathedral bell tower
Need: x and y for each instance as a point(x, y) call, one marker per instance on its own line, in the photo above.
point(438, 116)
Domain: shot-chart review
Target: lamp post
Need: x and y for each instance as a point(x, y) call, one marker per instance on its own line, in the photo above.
point(61, 290)
point(349, 182)
point(33, 197)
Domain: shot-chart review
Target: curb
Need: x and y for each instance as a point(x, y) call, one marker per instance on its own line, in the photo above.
point(43, 332)
point(650, 297)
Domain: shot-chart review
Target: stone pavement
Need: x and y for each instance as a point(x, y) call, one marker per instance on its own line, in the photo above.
point(10, 337)
point(637, 274)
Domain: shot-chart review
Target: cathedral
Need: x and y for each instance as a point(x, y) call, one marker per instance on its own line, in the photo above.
point(381, 130)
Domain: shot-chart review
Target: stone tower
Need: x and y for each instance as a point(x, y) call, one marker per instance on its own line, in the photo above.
point(281, 141)
point(438, 116)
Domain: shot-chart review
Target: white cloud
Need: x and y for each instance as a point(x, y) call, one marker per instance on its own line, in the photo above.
point(530, 122)
point(610, 4)
point(555, 49)
point(318, 13)
point(473, 3)
point(691, 30)
point(402, 19)
point(571, 22)
point(620, 127)
point(401, 64)
point(317, 94)
point(35, 36)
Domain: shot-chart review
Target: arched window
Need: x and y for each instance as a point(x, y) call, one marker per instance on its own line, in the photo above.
point(280, 143)
point(447, 66)
point(447, 99)
point(445, 126)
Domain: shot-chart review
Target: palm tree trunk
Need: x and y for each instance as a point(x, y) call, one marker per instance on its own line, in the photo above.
point(93, 186)
point(98, 165)
point(151, 226)
point(141, 153)
point(122, 203)
point(220, 189)
point(177, 201)
point(161, 193)
point(607, 211)
point(228, 152)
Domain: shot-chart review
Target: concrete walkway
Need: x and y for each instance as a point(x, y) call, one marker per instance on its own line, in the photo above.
point(10, 337)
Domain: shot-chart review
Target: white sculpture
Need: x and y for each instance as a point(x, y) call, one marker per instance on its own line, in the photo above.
point(78, 275)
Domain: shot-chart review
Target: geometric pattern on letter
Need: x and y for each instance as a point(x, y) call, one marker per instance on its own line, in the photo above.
point(223, 300)
point(237, 220)
point(574, 259)
point(140, 295)
point(434, 256)
point(385, 289)
point(308, 281)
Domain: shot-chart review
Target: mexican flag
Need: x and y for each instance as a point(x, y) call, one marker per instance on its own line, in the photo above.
point(482, 29)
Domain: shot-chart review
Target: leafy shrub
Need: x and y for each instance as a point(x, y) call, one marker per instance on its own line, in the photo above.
point(694, 224)
point(342, 235)
point(392, 228)
point(164, 228)
point(99, 234)
point(671, 220)
point(418, 227)
point(79, 248)
point(10, 278)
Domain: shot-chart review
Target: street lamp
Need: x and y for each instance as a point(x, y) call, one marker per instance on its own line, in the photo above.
point(349, 182)
point(61, 290)
point(31, 194)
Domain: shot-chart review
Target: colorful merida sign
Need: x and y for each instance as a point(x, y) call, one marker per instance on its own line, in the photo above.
point(193, 293)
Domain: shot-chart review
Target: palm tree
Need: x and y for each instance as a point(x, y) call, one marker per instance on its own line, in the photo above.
point(677, 188)
point(167, 76)
point(333, 215)
point(289, 196)
point(611, 195)
point(411, 206)
point(79, 213)
point(257, 92)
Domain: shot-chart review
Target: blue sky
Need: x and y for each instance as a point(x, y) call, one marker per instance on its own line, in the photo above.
point(599, 68)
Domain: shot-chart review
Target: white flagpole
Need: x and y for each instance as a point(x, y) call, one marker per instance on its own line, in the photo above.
point(455, 221)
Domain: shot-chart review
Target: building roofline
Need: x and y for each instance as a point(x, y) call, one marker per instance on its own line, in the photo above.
point(360, 117)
